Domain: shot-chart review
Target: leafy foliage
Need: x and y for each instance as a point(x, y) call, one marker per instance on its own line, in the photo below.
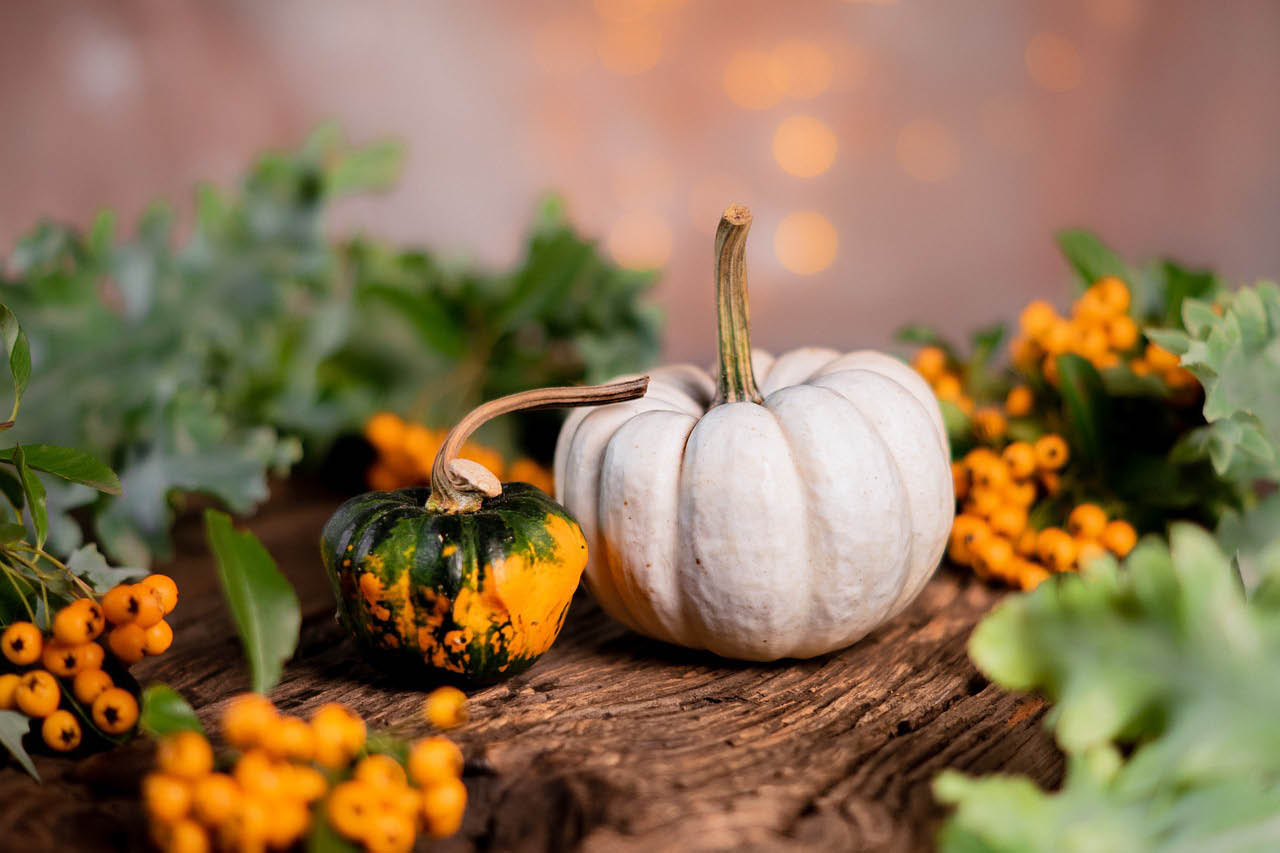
point(1166, 680)
point(164, 712)
point(203, 363)
point(263, 604)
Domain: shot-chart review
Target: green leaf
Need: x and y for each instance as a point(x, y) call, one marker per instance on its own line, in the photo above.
point(263, 605)
point(1090, 258)
point(14, 725)
point(19, 355)
point(87, 562)
point(165, 712)
point(1182, 284)
point(11, 532)
point(69, 464)
point(11, 486)
point(323, 838)
point(33, 489)
point(1085, 404)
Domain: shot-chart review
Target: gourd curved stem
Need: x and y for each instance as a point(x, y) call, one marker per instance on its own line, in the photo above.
point(451, 492)
point(736, 382)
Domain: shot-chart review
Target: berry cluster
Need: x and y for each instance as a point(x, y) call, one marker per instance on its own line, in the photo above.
point(406, 452)
point(991, 533)
point(69, 683)
point(285, 771)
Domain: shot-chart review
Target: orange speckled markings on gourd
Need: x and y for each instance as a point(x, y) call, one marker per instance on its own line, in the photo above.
point(468, 576)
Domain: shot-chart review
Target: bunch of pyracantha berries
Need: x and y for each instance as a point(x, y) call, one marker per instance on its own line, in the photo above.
point(286, 777)
point(63, 678)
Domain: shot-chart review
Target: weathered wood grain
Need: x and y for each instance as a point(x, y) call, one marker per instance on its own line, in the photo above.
point(612, 741)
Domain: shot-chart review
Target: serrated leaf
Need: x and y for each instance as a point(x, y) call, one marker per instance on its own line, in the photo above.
point(165, 712)
point(263, 605)
point(14, 725)
point(69, 464)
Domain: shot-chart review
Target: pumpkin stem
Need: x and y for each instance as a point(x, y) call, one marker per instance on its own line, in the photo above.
point(736, 382)
point(460, 485)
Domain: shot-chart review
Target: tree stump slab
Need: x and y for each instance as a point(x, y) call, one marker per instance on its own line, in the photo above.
point(612, 741)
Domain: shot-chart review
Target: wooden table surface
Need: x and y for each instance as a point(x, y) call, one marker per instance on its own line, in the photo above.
point(612, 741)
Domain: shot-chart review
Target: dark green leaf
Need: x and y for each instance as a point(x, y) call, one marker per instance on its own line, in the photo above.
point(925, 336)
point(69, 464)
point(11, 532)
point(1085, 404)
point(323, 838)
point(1182, 284)
point(14, 725)
point(263, 605)
point(34, 491)
point(19, 355)
point(434, 326)
point(1090, 258)
point(165, 712)
point(11, 486)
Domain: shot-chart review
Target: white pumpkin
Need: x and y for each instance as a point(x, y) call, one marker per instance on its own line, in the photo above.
point(786, 519)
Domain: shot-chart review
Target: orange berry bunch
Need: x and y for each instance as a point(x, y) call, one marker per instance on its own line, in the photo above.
point(407, 450)
point(70, 661)
point(287, 768)
point(1101, 330)
point(932, 363)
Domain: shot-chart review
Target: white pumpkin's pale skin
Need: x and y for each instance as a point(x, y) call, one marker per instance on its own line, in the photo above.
point(787, 529)
point(779, 510)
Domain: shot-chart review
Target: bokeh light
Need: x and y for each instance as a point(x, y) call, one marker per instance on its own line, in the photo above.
point(1054, 62)
point(805, 68)
point(804, 146)
point(753, 79)
point(805, 242)
point(926, 151)
point(640, 240)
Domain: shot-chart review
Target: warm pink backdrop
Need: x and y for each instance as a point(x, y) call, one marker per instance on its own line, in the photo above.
point(965, 133)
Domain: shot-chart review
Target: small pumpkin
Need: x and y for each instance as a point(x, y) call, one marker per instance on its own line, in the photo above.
point(781, 508)
point(471, 576)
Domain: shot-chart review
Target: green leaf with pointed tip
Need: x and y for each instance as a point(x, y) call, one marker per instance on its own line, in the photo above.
point(14, 725)
point(1090, 257)
point(68, 463)
point(18, 353)
point(1085, 404)
point(33, 489)
point(263, 605)
point(165, 712)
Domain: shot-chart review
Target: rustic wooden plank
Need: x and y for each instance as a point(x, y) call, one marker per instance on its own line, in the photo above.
point(613, 741)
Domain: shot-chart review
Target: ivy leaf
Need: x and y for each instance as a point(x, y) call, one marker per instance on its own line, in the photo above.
point(165, 712)
point(69, 464)
point(19, 355)
point(34, 491)
point(14, 725)
point(1090, 257)
point(263, 605)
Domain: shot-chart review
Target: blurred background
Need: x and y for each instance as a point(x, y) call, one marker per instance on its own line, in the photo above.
point(906, 161)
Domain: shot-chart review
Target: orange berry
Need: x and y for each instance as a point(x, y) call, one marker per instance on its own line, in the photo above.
point(1025, 544)
point(167, 798)
point(287, 820)
point(959, 480)
point(1179, 379)
point(380, 771)
point(1122, 333)
point(1119, 537)
point(165, 588)
point(1105, 360)
point(930, 362)
point(38, 694)
point(1051, 452)
point(127, 642)
point(434, 759)
point(385, 431)
point(1020, 493)
point(158, 638)
point(214, 797)
point(1032, 575)
point(22, 643)
point(389, 832)
point(91, 656)
point(291, 738)
point(186, 754)
point(116, 604)
point(62, 661)
point(89, 684)
point(1090, 308)
point(984, 502)
point(966, 532)
point(1058, 550)
point(443, 805)
point(8, 688)
point(1113, 294)
point(1008, 521)
point(1086, 521)
point(303, 782)
point(145, 606)
point(1024, 353)
point(989, 424)
point(78, 622)
point(1057, 339)
point(1036, 319)
point(246, 827)
point(258, 775)
point(993, 557)
point(1047, 539)
point(247, 719)
point(186, 836)
point(1019, 459)
point(1091, 342)
point(948, 387)
point(350, 807)
point(1019, 401)
point(446, 707)
point(528, 471)
point(61, 731)
point(1139, 367)
point(115, 711)
point(1050, 370)
point(1051, 482)
point(1160, 358)
point(339, 734)
point(1088, 550)
point(993, 474)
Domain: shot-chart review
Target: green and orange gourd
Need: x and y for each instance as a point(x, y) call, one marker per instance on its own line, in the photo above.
point(471, 577)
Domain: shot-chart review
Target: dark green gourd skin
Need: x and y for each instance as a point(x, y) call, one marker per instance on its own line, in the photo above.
point(478, 595)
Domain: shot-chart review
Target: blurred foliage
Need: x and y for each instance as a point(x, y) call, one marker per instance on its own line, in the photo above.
point(200, 362)
point(1166, 682)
